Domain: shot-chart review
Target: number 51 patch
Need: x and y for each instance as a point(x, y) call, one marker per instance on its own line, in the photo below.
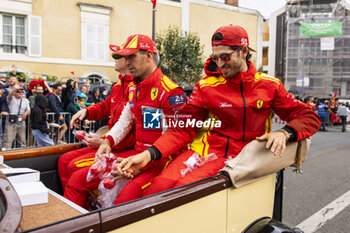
point(176, 99)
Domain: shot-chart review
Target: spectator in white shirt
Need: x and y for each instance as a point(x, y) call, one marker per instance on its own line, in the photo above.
point(15, 122)
point(343, 112)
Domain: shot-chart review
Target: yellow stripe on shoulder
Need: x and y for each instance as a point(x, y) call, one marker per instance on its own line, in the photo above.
point(273, 80)
point(131, 83)
point(212, 81)
point(168, 84)
point(264, 76)
point(118, 83)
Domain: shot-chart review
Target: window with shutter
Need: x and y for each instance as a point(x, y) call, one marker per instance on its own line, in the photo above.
point(95, 41)
point(20, 35)
point(95, 31)
point(13, 34)
point(34, 36)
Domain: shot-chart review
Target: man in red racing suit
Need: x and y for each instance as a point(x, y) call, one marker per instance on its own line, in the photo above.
point(239, 100)
point(152, 97)
point(74, 160)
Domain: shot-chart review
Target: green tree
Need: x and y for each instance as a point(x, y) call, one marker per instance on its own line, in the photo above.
point(181, 55)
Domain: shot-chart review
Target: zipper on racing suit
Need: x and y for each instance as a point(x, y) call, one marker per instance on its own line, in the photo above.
point(227, 145)
point(244, 110)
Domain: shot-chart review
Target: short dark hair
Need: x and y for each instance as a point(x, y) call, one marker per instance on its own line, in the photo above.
point(55, 86)
point(249, 55)
point(155, 57)
point(217, 36)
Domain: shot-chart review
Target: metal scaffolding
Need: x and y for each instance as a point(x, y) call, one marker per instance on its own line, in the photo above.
point(308, 70)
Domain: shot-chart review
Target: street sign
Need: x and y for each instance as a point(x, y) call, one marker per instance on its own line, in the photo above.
point(327, 43)
point(321, 29)
point(300, 82)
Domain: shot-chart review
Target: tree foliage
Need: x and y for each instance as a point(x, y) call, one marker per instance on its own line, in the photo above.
point(181, 56)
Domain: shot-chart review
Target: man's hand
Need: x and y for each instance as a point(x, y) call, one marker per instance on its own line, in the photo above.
point(47, 86)
point(105, 148)
point(132, 165)
point(92, 141)
point(276, 140)
point(16, 87)
point(4, 113)
point(115, 174)
point(76, 81)
point(79, 116)
point(61, 118)
point(25, 114)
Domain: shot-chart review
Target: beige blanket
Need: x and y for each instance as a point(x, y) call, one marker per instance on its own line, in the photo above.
point(256, 161)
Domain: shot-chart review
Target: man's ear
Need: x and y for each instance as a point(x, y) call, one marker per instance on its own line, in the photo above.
point(149, 55)
point(244, 52)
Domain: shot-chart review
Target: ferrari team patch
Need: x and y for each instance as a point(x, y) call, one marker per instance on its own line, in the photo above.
point(154, 93)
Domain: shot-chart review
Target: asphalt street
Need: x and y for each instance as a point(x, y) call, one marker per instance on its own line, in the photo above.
point(325, 178)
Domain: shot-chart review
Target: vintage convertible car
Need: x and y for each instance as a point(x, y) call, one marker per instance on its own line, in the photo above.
point(208, 205)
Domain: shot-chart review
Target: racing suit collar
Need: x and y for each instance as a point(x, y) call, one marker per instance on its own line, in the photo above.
point(126, 77)
point(151, 80)
point(211, 69)
point(246, 77)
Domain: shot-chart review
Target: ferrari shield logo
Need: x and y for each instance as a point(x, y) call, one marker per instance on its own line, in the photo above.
point(154, 93)
point(259, 104)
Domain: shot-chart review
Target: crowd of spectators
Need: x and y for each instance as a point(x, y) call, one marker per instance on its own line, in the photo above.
point(27, 104)
point(329, 110)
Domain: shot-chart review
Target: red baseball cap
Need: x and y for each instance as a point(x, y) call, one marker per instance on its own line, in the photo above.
point(133, 44)
point(233, 35)
point(114, 48)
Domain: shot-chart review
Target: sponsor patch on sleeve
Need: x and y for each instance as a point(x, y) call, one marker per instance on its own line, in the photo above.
point(176, 99)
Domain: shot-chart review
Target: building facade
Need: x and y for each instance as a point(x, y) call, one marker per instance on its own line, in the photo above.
point(309, 47)
point(59, 36)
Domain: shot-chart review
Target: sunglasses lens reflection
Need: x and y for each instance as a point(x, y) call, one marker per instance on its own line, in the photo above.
point(224, 57)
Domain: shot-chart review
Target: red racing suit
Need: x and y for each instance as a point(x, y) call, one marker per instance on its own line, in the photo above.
point(112, 106)
point(243, 104)
point(149, 102)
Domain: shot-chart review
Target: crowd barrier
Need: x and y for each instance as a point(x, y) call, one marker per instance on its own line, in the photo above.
point(69, 136)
